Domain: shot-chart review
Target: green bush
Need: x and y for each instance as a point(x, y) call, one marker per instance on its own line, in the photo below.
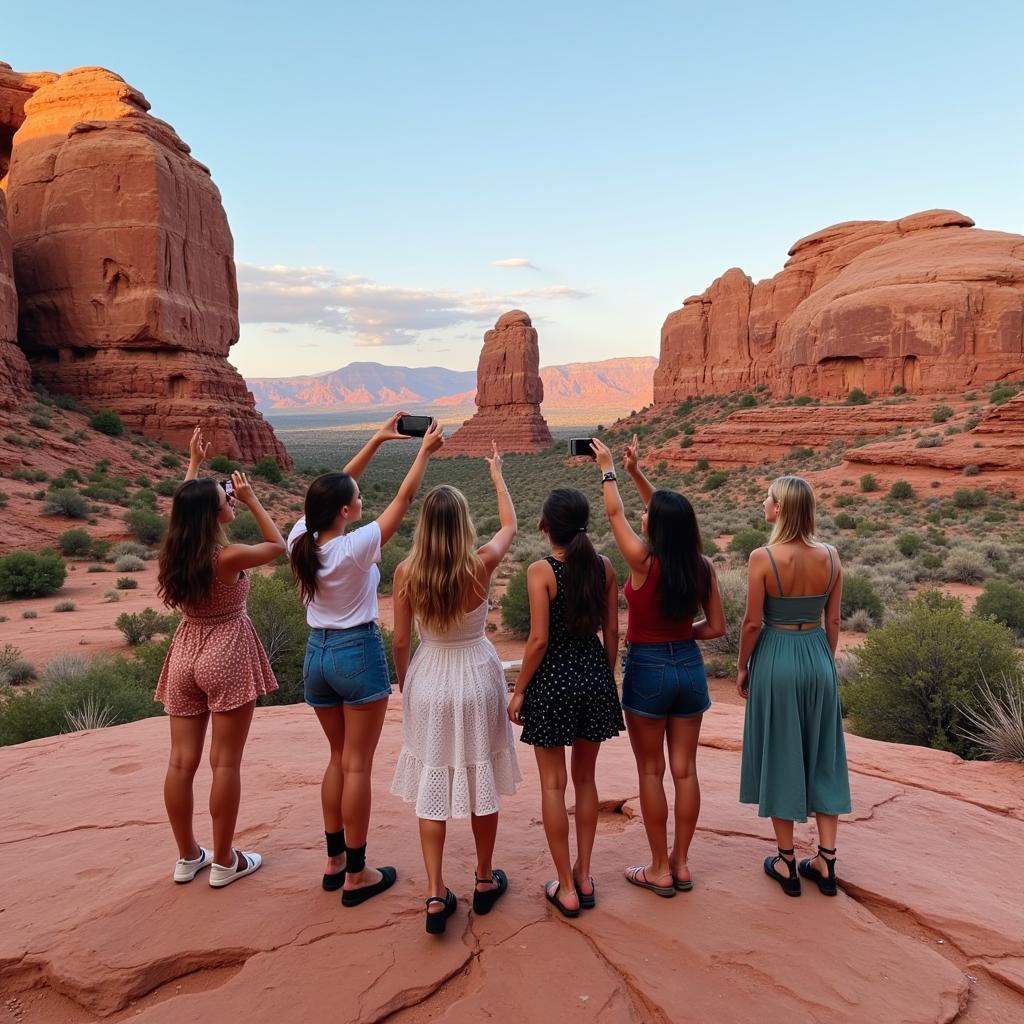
point(244, 529)
point(901, 491)
point(702, 464)
point(74, 542)
point(139, 627)
point(391, 555)
point(859, 593)
point(106, 421)
point(908, 544)
point(802, 400)
point(126, 583)
point(66, 502)
point(844, 521)
point(222, 464)
point(971, 469)
point(915, 675)
point(1004, 602)
point(515, 604)
point(129, 563)
point(970, 497)
point(714, 480)
point(146, 524)
point(268, 469)
point(1000, 395)
point(941, 413)
point(14, 669)
point(746, 541)
point(28, 574)
point(732, 585)
point(171, 461)
point(747, 401)
point(868, 483)
point(963, 565)
point(129, 547)
point(167, 487)
point(857, 397)
point(65, 606)
point(280, 621)
point(99, 549)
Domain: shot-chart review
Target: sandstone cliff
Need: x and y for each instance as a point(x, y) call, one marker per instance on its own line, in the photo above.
point(928, 303)
point(14, 372)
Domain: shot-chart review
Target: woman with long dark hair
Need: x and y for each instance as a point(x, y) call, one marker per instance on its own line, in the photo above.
point(565, 695)
point(458, 754)
point(673, 599)
point(794, 752)
point(345, 672)
point(215, 666)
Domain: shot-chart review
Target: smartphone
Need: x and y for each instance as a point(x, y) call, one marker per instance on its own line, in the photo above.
point(582, 446)
point(414, 426)
point(228, 486)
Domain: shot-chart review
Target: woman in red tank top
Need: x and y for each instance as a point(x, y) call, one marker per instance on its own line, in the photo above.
point(664, 688)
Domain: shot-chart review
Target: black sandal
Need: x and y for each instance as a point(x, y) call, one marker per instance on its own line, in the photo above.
point(587, 901)
point(437, 922)
point(335, 848)
point(483, 902)
point(353, 897)
point(827, 885)
point(552, 898)
point(791, 883)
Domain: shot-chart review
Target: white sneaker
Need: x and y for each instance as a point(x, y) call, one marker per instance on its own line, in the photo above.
point(221, 875)
point(186, 870)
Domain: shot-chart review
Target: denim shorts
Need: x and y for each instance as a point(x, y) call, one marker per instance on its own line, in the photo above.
point(345, 666)
point(666, 679)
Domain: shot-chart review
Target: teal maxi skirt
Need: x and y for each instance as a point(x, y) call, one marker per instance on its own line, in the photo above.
point(794, 753)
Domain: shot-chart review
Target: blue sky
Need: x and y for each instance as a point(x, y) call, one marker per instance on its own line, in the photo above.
point(377, 160)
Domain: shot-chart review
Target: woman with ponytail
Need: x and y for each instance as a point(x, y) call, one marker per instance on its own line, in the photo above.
point(345, 671)
point(458, 752)
point(565, 695)
point(215, 666)
point(664, 686)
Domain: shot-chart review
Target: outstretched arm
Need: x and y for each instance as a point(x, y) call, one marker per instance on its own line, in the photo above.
point(497, 547)
point(633, 549)
point(198, 449)
point(631, 464)
point(391, 518)
point(389, 432)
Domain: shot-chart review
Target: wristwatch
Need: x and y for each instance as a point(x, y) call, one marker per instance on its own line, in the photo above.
point(610, 475)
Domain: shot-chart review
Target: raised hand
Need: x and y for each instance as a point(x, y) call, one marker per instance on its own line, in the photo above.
point(243, 489)
point(631, 455)
point(494, 461)
point(433, 439)
point(389, 432)
point(198, 449)
point(605, 459)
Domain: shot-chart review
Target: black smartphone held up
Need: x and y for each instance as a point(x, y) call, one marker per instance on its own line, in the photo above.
point(582, 446)
point(414, 426)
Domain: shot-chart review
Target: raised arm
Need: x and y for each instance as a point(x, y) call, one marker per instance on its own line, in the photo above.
point(713, 623)
point(631, 464)
point(834, 605)
point(236, 557)
point(389, 432)
point(753, 617)
point(610, 628)
point(633, 548)
point(402, 639)
point(198, 449)
point(540, 577)
point(391, 518)
point(497, 547)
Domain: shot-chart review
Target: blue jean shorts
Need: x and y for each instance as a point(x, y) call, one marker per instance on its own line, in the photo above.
point(662, 680)
point(345, 666)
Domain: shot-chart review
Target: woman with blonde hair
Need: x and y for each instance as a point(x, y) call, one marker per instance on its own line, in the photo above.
point(458, 754)
point(794, 755)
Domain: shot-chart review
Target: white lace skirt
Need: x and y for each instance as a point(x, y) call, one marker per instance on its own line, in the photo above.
point(458, 751)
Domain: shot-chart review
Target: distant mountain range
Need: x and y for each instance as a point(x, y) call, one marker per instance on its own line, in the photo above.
point(617, 385)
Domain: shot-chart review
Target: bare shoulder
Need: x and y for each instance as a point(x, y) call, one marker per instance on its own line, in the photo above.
point(609, 570)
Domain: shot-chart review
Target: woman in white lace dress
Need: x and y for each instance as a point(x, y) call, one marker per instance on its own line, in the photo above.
point(458, 752)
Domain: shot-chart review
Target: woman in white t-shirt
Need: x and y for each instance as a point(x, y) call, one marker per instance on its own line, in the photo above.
point(345, 672)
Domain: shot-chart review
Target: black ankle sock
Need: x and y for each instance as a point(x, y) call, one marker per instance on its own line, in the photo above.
point(335, 843)
point(356, 859)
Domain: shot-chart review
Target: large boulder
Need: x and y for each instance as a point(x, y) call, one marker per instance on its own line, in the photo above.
point(927, 303)
point(124, 265)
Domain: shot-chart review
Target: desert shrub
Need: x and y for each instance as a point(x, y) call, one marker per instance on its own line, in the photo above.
point(129, 563)
point(126, 583)
point(30, 613)
point(67, 402)
point(930, 441)
point(515, 604)
point(732, 584)
point(106, 421)
point(390, 556)
point(916, 675)
point(130, 547)
point(859, 622)
point(169, 460)
point(268, 469)
point(878, 552)
point(61, 669)
point(746, 541)
point(859, 594)
point(857, 397)
point(222, 464)
point(868, 483)
point(74, 542)
point(167, 487)
point(280, 620)
point(99, 549)
point(802, 400)
point(844, 521)
point(144, 497)
point(138, 627)
point(996, 722)
point(14, 669)
point(39, 420)
point(901, 491)
point(65, 606)
point(971, 469)
point(1004, 602)
point(702, 464)
point(964, 565)
point(970, 497)
point(66, 502)
point(714, 480)
point(112, 596)
point(31, 574)
point(244, 529)
point(747, 401)
point(941, 413)
point(999, 395)
point(908, 544)
point(146, 524)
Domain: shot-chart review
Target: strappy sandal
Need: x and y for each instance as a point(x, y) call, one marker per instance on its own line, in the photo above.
point(790, 883)
point(551, 895)
point(483, 902)
point(587, 900)
point(826, 884)
point(438, 921)
point(682, 885)
point(633, 877)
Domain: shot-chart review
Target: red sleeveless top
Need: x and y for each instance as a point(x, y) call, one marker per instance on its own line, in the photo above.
point(647, 624)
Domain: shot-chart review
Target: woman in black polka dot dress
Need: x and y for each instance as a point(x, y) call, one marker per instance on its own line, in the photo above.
point(565, 695)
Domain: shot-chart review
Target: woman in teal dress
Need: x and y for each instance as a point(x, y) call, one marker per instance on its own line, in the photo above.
point(794, 755)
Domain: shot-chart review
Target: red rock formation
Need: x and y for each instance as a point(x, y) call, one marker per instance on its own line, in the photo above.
point(15, 90)
point(124, 266)
point(14, 372)
point(928, 303)
point(509, 393)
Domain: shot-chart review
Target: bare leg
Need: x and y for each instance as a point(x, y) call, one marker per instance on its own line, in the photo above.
point(583, 763)
point(553, 780)
point(332, 721)
point(230, 731)
point(485, 832)
point(187, 736)
point(683, 735)
point(828, 828)
point(363, 723)
point(647, 736)
point(432, 835)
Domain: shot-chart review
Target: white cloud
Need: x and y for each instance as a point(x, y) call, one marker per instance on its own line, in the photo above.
point(373, 313)
point(514, 261)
